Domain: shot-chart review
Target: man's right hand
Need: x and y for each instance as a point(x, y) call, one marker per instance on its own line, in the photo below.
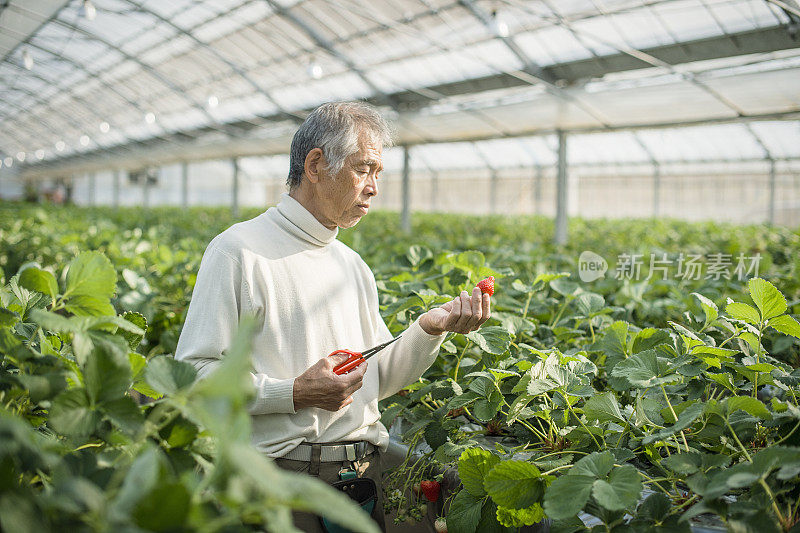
point(320, 387)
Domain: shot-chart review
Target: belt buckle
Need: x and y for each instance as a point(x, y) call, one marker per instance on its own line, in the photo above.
point(350, 450)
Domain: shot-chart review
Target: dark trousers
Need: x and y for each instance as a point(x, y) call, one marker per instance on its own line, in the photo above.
point(368, 467)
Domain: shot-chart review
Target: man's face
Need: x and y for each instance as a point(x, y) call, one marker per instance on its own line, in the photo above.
point(345, 197)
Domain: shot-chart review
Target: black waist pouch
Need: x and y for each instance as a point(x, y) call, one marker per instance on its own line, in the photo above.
point(361, 490)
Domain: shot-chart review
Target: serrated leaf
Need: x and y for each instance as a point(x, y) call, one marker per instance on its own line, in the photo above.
point(138, 320)
point(767, 298)
point(683, 463)
point(71, 414)
point(620, 491)
point(491, 339)
point(589, 303)
point(36, 279)
point(91, 274)
point(685, 419)
point(515, 484)
point(516, 518)
point(106, 373)
point(709, 308)
point(750, 405)
point(786, 325)
point(604, 408)
point(567, 495)
point(168, 376)
point(473, 466)
point(743, 311)
point(645, 370)
point(464, 513)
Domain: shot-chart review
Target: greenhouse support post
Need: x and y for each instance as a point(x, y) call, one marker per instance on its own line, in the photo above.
point(772, 191)
point(235, 187)
point(145, 189)
point(115, 190)
point(434, 190)
point(405, 215)
point(561, 190)
point(185, 184)
point(656, 189)
point(92, 188)
point(537, 191)
point(493, 193)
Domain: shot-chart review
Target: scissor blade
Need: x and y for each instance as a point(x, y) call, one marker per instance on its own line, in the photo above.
point(366, 354)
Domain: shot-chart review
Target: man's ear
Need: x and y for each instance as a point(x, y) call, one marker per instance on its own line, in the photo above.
point(314, 164)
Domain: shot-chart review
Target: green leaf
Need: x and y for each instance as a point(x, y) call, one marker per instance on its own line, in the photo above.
point(491, 339)
point(91, 274)
point(464, 513)
point(7, 317)
point(164, 508)
point(86, 305)
point(107, 374)
point(768, 299)
point(36, 279)
point(71, 414)
point(750, 405)
point(604, 408)
point(596, 464)
point(138, 320)
point(140, 479)
point(786, 325)
point(473, 466)
point(683, 463)
point(168, 376)
point(44, 386)
point(485, 409)
point(567, 495)
point(621, 491)
point(589, 303)
point(515, 518)
point(515, 484)
point(742, 311)
point(645, 369)
point(709, 308)
point(124, 413)
point(685, 419)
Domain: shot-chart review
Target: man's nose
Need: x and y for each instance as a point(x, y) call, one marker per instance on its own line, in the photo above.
point(372, 186)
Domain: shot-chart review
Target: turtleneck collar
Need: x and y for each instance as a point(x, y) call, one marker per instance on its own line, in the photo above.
point(302, 224)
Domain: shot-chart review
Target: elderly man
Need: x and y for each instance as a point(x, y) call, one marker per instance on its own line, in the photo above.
point(314, 295)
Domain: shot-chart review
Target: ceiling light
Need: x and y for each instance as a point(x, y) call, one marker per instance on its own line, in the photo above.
point(498, 26)
point(315, 70)
point(9, 161)
point(27, 59)
point(150, 118)
point(87, 10)
point(21, 156)
point(40, 154)
point(104, 127)
point(85, 140)
point(213, 102)
point(60, 145)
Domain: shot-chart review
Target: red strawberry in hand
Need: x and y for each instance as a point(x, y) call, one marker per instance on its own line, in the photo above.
point(487, 285)
point(430, 489)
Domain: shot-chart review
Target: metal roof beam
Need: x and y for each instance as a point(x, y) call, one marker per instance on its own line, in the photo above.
point(233, 66)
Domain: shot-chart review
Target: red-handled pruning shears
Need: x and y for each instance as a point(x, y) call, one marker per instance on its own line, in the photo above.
point(356, 358)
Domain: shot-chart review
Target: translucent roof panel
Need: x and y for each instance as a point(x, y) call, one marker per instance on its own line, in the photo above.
point(186, 74)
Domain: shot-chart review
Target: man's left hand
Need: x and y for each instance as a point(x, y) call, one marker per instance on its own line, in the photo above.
point(462, 314)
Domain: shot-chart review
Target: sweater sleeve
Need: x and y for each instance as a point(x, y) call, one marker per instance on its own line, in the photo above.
point(404, 361)
point(211, 324)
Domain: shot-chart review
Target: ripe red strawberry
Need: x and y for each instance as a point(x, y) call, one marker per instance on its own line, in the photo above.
point(440, 525)
point(430, 489)
point(487, 285)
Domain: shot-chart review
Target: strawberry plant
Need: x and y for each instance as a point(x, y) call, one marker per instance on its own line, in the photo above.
point(78, 453)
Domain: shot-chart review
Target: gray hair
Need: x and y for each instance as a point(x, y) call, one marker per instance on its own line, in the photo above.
point(335, 128)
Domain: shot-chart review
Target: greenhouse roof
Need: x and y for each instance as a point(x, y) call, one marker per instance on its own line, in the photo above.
point(91, 84)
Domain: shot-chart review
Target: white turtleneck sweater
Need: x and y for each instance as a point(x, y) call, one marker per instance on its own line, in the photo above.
point(312, 295)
